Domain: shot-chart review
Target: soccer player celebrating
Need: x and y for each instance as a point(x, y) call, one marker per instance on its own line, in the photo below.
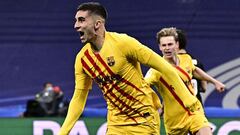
point(113, 60)
point(180, 119)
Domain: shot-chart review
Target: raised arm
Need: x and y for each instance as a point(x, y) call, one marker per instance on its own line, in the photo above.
point(139, 52)
point(200, 74)
point(145, 55)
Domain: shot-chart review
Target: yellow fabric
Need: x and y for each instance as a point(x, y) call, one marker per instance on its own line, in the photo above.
point(178, 103)
point(116, 69)
point(74, 111)
point(156, 101)
point(147, 128)
point(186, 63)
point(185, 70)
point(191, 123)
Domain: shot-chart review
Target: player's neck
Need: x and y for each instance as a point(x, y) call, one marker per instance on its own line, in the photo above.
point(182, 51)
point(173, 60)
point(98, 42)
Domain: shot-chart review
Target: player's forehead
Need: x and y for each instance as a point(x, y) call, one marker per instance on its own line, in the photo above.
point(167, 39)
point(82, 14)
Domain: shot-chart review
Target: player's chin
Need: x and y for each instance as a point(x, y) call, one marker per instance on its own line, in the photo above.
point(83, 40)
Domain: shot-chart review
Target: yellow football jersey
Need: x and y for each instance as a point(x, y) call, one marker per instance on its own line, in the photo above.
point(116, 69)
point(117, 72)
point(178, 102)
point(185, 70)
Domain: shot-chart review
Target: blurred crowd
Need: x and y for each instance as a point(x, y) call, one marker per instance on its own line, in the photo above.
point(49, 102)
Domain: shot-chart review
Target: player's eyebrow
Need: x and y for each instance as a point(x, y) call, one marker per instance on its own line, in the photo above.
point(80, 18)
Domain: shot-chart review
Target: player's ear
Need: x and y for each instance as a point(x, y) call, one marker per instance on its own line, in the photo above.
point(97, 24)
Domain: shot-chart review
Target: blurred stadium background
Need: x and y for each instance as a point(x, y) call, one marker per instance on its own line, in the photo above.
point(38, 44)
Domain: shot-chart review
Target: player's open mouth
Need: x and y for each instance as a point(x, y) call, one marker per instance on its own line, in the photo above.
point(81, 33)
point(167, 52)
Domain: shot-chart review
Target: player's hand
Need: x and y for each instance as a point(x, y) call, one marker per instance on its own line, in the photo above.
point(220, 87)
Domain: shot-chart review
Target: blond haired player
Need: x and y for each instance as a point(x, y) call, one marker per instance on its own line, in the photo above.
point(180, 119)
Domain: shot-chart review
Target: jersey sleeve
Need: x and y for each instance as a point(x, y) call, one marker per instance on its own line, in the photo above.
point(75, 109)
point(82, 80)
point(134, 50)
point(83, 84)
point(137, 51)
point(151, 77)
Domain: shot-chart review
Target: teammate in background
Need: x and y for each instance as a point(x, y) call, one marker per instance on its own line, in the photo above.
point(199, 86)
point(179, 119)
point(113, 61)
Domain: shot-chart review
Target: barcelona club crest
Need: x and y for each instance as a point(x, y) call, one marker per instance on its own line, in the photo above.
point(110, 61)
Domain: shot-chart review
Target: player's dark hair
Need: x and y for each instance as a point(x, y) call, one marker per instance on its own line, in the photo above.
point(182, 39)
point(93, 8)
